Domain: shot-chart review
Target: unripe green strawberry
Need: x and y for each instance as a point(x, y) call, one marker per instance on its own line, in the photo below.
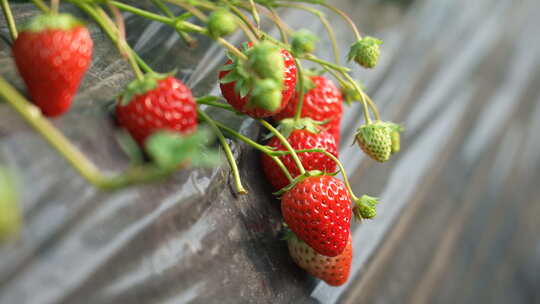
point(375, 140)
point(365, 207)
point(303, 42)
point(221, 23)
point(366, 52)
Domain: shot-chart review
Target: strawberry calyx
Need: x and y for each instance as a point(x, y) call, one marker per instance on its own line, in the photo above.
point(365, 207)
point(141, 86)
point(288, 125)
point(299, 179)
point(52, 22)
point(261, 75)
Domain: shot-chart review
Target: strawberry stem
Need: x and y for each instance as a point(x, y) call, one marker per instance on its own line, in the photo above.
point(108, 27)
point(362, 96)
point(190, 41)
point(285, 143)
point(255, 14)
point(227, 148)
point(331, 65)
point(264, 149)
point(122, 44)
point(184, 25)
point(9, 19)
point(330, 155)
point(301, 92)
point(41, 5)
point(71, 154)
point(244, 19)
point(345, 17)
point(325, 23)
point(55, 5)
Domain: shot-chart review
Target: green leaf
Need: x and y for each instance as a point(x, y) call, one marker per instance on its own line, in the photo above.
point(168, 149)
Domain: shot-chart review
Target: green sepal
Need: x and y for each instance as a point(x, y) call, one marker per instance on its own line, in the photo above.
point(10, 212)
point(288, 125)
point(139, 87)
point(298, 179)
point(169, 149)
point(266, 61)
point(365, 207)
point(130, 147)
point(52, 22)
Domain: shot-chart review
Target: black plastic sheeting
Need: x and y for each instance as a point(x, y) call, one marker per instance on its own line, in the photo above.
point(190, 239)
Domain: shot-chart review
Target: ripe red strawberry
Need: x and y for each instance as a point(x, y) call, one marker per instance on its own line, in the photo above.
point(241, 103)
point(299, 140)
point(157, 103)
point(322, 102)
point(318, 210)
point(52, 54)
point(333, 270)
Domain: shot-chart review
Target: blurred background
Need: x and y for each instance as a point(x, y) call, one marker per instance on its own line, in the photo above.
point(459, 220)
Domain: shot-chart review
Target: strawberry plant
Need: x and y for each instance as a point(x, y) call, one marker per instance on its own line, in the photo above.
point(263, 79)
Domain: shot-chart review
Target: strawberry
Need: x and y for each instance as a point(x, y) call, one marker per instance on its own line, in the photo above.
point(156, 103)
point(237, 87)
point(305, 138)
point(323, 102)
point(375, 140)
point(333, 270)
point(318, 210)
point(52, 54)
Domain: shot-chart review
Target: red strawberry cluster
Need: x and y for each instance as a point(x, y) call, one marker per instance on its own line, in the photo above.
point(54, 51)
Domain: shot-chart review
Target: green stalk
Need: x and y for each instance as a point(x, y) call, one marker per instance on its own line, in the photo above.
point(345, 17)
point(122, 44)
point(330, 155)
point(325, 23)
point(325, 63)
point(244, 19)
point(362, 95)
point(182, 24)
point(264, 149)
point(41, 5)
point(32, 115)
point(9, 19)
point(254, 13)
point(190, 41)
point(300, 103)
point(285, 143)
point(110, 31)
point(143, 13)
point(230, 157)
point(216, 104)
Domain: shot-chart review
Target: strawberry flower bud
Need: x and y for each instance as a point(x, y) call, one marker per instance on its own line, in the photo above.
point(366, 52)
point(303, 42)
point(266, 94)
point(266, 61)
point(221, 23)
